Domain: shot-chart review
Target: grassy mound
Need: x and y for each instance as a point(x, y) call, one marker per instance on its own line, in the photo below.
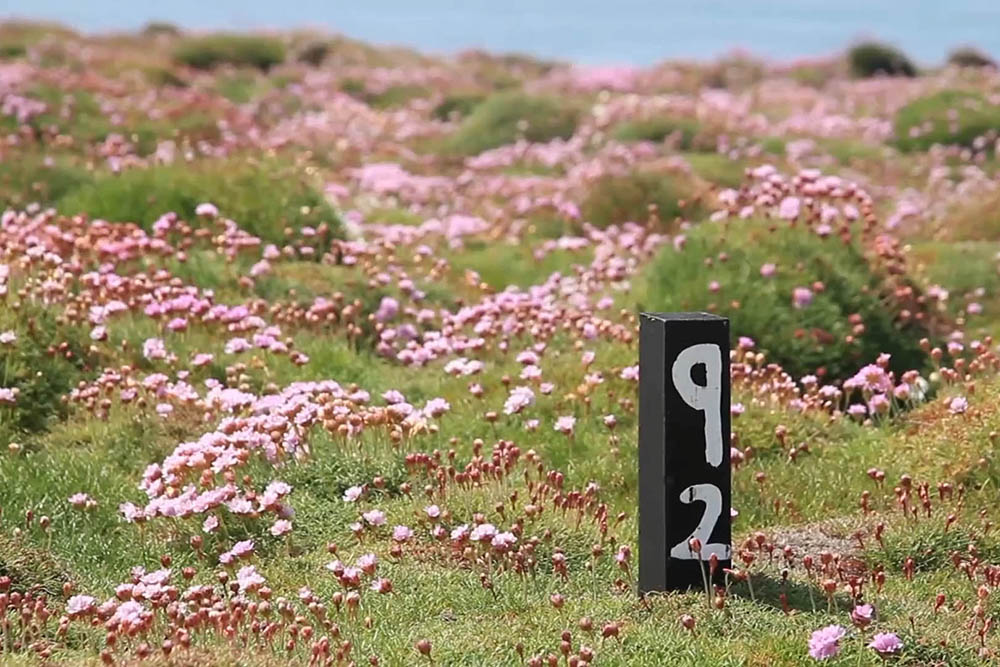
point(950, 117)
point(632, 197)
point(264, 197)
point(503, 118)
point(870, 59)
point(239, 50)
point(802, 339)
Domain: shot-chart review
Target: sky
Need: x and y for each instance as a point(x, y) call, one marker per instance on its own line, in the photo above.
point(589, 31)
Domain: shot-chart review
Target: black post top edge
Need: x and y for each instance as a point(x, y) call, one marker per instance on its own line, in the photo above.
point(687, 317)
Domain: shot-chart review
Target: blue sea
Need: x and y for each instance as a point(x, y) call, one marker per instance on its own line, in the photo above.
point(584, 31)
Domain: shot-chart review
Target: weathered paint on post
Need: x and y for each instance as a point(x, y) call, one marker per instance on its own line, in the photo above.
point(685, 487)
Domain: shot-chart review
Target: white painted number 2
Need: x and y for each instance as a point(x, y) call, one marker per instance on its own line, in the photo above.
point(712, 497)
point(707, 399)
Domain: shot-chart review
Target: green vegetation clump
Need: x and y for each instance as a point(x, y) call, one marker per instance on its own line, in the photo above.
point(42, 367)
point(263, 197)
point(658, 128)
point(802, 338)
point(30, 567)
point(968, 56)
point(503, 118)
point(314, 53)
point(971, 219)
point(239, 50)
point(397, 96)
point(631, 197)
point(870, 59)
point(457, 105)
point(949, 117)
point(10, 51)
point(30, 179)
point(156, 28)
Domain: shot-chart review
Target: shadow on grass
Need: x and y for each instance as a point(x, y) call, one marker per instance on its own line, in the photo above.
point(768, 589)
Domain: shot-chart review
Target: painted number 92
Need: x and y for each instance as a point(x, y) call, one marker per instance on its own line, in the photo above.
point(707, 399)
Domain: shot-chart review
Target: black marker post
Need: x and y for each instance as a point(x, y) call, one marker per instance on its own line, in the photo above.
point(684, 438)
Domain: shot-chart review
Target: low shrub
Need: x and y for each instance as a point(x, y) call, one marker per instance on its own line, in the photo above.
point(263, 197)
point(949, 117)
point(870, 59)
point(719, 270)
point(968, 56)
point(631, 197)
point(503, 118)
point(239, 50)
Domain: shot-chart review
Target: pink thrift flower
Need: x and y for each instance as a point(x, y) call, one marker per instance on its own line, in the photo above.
point(381, 585)
point(281, 527)
point(207, 210)
point(81, 500)
point(242, 549)
point(519, 399)
point(374, 517)
point(503, 541)
point(862, 615)
point(886, 644)
point(484, 532)
point(249, 579)
point(958, 405)
point(789, 208)
point(565, 424)
point(802, 297)
point(78, 605)
point(825, 642)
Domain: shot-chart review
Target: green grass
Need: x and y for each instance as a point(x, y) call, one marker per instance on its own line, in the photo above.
point(224, 100)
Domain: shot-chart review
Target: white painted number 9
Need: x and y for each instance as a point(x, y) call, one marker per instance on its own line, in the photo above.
point(707, 399)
